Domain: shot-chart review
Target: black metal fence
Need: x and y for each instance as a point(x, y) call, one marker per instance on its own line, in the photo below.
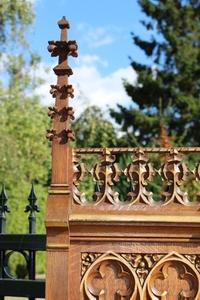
point(27, 245)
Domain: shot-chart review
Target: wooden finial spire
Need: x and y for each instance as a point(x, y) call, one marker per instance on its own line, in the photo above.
point(59, 197)
point(62, 113)
point(63, 23)
point(62, 90)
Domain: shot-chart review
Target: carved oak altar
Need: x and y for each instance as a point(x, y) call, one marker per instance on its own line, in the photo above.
point(125, 239)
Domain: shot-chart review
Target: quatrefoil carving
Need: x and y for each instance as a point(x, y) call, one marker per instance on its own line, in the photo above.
point(172, 279)
point(109, 278)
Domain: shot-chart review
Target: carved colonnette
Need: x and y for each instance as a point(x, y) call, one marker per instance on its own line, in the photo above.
point(137, 234)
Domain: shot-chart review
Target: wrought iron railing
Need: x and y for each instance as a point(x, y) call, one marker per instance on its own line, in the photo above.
point(25, 244)
point(131, 176)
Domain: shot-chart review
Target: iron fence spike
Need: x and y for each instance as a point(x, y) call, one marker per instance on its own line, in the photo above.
point(3, 193)
point(32, 198)
point(3, 199)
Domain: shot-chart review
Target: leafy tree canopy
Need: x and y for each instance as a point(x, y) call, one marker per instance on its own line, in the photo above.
point(16, 55)
point(92, 129)
point(24, 154)
point(15, 18)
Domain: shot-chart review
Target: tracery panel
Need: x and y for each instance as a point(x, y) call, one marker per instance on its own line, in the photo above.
point(110, 277)
point(137, 276)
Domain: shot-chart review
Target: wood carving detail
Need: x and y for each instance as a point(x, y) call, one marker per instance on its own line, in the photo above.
point(64, 90)
point(196, 173)
point(87, 259)
point(106, 173)
point(142, 175)
point(109, 278)
point(173, 280)
point(140, 276)
point(61, 112)
point(68, 48)
point(142, 263)
point(51, 134)
point(195, 260)
point(79, 173)
point(139, 172)
point(175, 173)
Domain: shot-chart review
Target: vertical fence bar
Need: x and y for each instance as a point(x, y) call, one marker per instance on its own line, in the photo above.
point(32, 208)
point(3, 210)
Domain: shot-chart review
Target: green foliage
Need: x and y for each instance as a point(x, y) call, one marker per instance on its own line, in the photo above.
point(93, 129)
point(24, 152)
point(24, 156)
point(18, 61)
point(167, 94)
point(15, 17)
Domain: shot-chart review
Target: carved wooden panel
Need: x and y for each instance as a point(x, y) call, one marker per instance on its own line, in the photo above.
point(140, 174)
point(140, 276)
point(173, 280)
point(109, 278)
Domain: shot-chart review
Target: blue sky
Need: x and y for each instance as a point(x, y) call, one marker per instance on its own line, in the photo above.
point(102, 30)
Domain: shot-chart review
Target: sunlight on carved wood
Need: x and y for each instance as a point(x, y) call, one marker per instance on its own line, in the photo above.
point(110, 280)
point(173, 281)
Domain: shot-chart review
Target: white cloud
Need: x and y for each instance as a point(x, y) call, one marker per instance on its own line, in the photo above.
point(46, 74)
point(90, 60)
point(91, 87)
point(96, 37)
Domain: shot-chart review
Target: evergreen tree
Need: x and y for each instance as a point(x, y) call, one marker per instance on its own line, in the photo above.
point(166, 98)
